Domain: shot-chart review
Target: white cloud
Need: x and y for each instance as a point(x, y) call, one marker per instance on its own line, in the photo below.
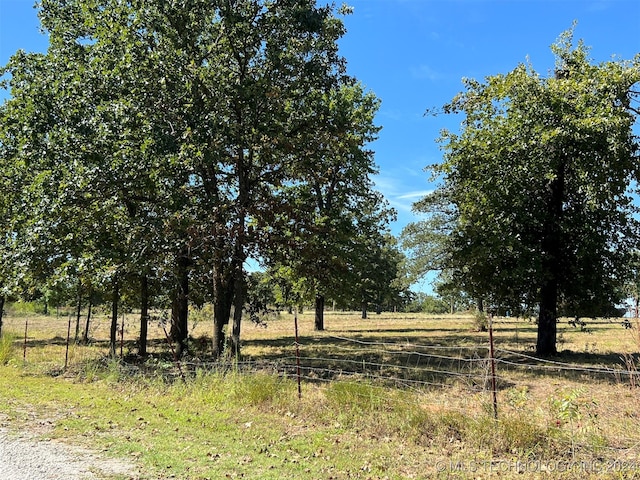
point(598, 6)
point(418, 194)
point(396, 193)
point(425, 72)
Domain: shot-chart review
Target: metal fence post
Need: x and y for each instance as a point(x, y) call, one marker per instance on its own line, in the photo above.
point(66, 354)
point(24, 347)
point(493, 368)
point(295, 320)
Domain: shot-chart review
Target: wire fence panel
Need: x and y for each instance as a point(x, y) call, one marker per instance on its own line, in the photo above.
point(400, 363)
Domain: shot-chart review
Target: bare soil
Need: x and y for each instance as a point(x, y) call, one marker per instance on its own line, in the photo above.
point(27, 455)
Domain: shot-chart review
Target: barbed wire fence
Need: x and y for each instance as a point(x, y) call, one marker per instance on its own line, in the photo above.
point(400, 364)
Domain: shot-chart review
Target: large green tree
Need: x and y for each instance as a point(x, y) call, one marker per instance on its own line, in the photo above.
point(535, 207)
point(79, 154)
point(331, 218)
point(159, 136)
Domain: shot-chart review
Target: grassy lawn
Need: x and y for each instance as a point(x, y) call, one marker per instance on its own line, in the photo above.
point(375, 403)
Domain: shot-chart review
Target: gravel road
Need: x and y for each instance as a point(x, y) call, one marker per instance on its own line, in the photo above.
point(23, 457)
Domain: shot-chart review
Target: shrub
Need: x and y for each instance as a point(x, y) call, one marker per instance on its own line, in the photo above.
point(21, 309)
point(480, 321)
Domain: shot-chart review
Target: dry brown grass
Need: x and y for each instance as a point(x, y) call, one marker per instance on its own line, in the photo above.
point(565, 414)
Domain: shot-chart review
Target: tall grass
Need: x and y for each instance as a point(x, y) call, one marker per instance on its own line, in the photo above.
point(217, 421)
point(7, 347)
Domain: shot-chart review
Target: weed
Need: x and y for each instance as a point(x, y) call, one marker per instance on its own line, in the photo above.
point(354, 397)
point(634, 328)
point(90, 370)
point(7, 347)
point(480, 321)
point(258, 389)
point(452, 426)
point(413, 421)
point(520, 434)
point(102, 368)
point(517, 398)
point(631, 370)
point(575, 414)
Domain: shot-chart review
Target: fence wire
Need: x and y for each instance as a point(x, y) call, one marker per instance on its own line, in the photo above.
point(401, 363)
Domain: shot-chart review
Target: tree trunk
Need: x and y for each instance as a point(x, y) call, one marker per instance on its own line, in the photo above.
point(238, 305)
point(547, 325)
point(144, 316)
point(239, 291)
point(319, 320)
point(85, 335)
point(1, 312)
point(218, 331)
point(551, 266)
point(364, 310)
point(243, 170)
point(222, 301)
point(114, 317)
point(180, 308)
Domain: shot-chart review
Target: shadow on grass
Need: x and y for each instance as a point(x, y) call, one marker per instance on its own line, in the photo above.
point(438, 360)
point(437, 355)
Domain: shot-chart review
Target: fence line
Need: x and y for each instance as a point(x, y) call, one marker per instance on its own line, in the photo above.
point(532, 364)
point(401, 363)
point(408, 344)
point(329, 360)
point(546, 364)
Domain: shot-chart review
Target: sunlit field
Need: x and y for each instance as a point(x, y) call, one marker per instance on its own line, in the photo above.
point(392, 396)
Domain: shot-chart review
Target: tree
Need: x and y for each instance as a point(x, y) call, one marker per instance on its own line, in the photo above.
point(423, 302)
point(633, 286)
point(329, 214)
point(374, 272)
point(90, 208)
point(179, 125)
point(6, 207)
point(537, 188)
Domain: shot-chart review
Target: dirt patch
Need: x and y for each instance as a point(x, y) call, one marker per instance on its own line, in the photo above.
point(25, 456)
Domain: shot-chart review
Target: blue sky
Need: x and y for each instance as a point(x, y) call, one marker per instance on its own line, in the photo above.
point(413, 54)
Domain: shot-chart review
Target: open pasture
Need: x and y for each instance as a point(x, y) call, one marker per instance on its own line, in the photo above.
point(392, 396)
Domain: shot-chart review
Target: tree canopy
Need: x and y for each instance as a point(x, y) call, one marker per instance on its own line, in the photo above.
point(535, 209)
point(159, 143)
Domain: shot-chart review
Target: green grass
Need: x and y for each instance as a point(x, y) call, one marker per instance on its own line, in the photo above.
point(7, 348)
point(210, 427)
point(224, 424)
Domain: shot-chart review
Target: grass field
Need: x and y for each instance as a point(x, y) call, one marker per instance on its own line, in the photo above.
point(395, 396)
